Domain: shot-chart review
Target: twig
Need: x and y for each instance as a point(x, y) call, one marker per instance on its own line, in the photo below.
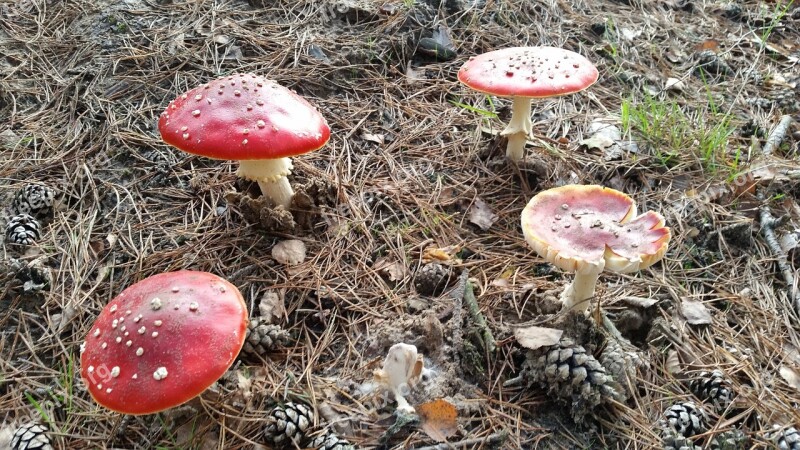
point(777, 135)
point(496, 438)
point(457, 294)
point(768, 224)
point(478, 319)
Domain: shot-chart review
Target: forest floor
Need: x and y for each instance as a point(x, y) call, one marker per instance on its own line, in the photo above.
point(414, 175)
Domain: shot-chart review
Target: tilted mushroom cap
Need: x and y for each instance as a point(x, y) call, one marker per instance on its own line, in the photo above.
point(243, 117)
point(163, 341)
point(534, 72)
point(574, 226)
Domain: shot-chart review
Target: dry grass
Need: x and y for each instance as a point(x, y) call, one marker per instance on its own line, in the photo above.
point(81, 87)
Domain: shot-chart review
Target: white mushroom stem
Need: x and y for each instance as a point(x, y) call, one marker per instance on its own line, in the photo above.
point(519, 128)
point(576, 296)
point(270, 174)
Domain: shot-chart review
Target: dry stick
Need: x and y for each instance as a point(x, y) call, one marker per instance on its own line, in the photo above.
point(777, 135)
point(768, 225)
point(496, 438)
point(478, 319)
point(457, 294)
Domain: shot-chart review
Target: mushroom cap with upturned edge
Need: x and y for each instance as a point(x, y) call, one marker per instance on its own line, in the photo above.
point(574, 226)
point(243, 117)
point(534, 72)
point(163, 341)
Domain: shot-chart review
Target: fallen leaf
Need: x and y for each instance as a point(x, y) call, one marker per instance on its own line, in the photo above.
point(695, 312)
point(674, 84)
point(272, 307)
point(708, 44)
point(289, 252)
point(604, 137)
point(597, 142)
point(438, 419)
point(537, 337)
point(481, 215)
point(673, 363)
point(376, 138)
point(393, 270)
point(439, 254)
point(790, 376)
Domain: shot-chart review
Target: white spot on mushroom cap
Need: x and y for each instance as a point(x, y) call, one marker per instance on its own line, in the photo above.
point(118, 339)
point(115, 372)
point(135, 376)
point(139, 351)
point(113, 308)
point(90, 369)
point(176, 289)
point(141, 330)
point(129, 343)
point(108, 391)
point(155, 303)
point(160, 373)
point(103, 345)
point(157, 323)
point(155, 334)
point(193, 306)
point(97, 332)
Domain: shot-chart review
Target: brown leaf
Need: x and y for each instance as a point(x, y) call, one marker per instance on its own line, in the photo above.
point(791, 376)
point(673, 362)
point(438, 254)
point(695, 312)
point(376, 138)
point(438, 419)
point(272, 306)
point(537, 337)
point(393, 270)
point(481, 215)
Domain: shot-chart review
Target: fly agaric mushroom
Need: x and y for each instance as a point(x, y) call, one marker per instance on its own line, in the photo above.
point(163, 341)
point(585, 229)
point(524, 73)
point(248, 118)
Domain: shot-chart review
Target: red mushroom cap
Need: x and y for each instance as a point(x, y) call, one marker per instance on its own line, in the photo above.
point(534, 72)
point(574, 225)
point(243, 117)
point(163, 341)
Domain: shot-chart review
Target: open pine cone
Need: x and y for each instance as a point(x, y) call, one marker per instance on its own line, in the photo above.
point(31, 436)
point(289, 423)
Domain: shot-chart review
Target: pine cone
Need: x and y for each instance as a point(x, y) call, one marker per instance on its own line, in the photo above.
point(35, 200)
point(729, 440)
point(432, 279)
point(713, 387)
point(263, 337)
point(686, 419)
point(31, 436)
point(619, 363)
point(572, 374)
point(22, 229)
point(672, 440)
point(289, 424)
point(329, 441)
point(785, 438)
